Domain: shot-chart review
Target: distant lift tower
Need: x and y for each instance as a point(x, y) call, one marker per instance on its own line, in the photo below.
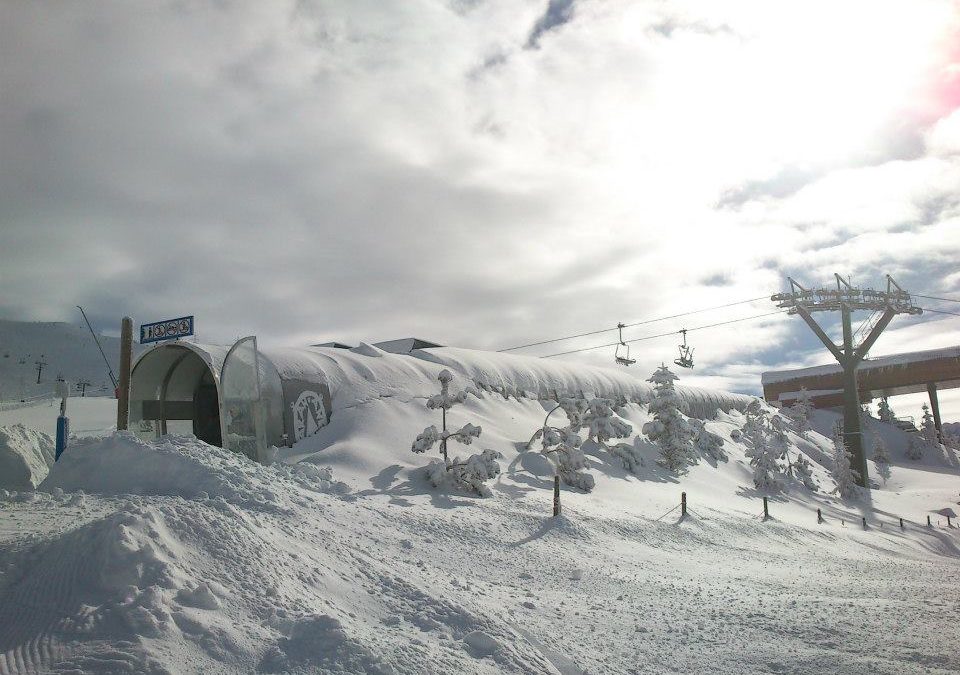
point(846, 299)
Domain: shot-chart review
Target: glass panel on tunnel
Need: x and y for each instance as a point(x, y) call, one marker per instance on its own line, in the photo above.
point(240, 381)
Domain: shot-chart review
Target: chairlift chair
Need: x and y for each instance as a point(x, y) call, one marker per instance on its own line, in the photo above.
point(686, 353)
point(622, 355)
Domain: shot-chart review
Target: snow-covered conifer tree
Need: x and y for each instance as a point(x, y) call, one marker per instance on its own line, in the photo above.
point(928, 427)
point(800, 412)
point(778, 429)
point(803, 469)
point(602, 425)
point(668, 428)
point(468, 474)
point(763, 459)
point(843, 473)
point(881, 457)
point(885, 412)
point(756, 417)
point(444, 401)
point(709, 443)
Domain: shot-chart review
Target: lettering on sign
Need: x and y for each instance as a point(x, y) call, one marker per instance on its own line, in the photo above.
point(169, 329)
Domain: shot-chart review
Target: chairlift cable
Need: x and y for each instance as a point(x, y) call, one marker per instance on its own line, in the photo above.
point(631, 325)
point(931, 297)
point(673, 332)
point(940, 311)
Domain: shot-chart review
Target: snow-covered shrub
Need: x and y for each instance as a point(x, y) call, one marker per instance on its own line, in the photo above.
point(708, 443)
point(800, 412)
point(602, 423)
point(952, 441)
point(629, 455)
point(881, 457)
point(803, 470)
point(563, 444)
point(668, 428)
point(844, 475)
point(620, 405)
point(465, 475)
point(915, 448)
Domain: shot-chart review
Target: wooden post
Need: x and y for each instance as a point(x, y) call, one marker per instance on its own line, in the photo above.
point(901, 523)
point(928, 522)
point(949, 524)
point(556, 495)
point(683, 504)
point(819, 517)
point(766, 509)
point(126, 356)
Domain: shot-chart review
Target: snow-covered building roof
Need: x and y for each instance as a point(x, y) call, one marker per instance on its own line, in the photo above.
point(293, 392)
point(405, 345)
point(906, 373)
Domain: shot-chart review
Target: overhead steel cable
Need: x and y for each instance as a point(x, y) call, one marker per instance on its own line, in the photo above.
point(631, 325)
point(673, 332)
point(933, 297)
point(940, 311)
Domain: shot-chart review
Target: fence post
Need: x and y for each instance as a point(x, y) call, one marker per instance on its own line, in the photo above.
point(683, 504)
point(901, 523)
point(819, 517)
point(949, 524)
point(556, 495)
point(766, 509)
point(928, 522)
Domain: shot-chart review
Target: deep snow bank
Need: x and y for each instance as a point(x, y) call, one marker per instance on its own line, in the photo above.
point(179, 466)
point(25, 457)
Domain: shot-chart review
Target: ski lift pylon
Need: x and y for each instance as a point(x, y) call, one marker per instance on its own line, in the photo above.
point(622, 354)
point(686, 353)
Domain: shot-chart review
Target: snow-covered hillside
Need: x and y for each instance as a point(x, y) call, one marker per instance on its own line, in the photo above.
point(67, 350)
point(179, 557)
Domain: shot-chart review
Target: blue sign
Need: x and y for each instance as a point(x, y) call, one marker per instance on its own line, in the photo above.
point(170, 329)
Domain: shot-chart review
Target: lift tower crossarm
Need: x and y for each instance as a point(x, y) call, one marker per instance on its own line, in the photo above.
point(818, 331)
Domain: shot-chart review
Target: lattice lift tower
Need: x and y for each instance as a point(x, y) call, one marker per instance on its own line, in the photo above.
point(847, 299)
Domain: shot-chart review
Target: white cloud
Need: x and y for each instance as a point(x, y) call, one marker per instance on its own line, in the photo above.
point(369, 170)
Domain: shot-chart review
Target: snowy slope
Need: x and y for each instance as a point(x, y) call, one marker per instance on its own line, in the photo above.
point(180, 557)
point(68, 350)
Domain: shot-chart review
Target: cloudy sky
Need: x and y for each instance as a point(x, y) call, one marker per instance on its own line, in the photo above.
point(482, 173)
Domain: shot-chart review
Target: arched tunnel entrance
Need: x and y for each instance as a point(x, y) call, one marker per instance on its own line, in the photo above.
point(173, 390)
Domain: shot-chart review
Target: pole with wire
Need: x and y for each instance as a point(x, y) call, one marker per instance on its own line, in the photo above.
point(97, 341)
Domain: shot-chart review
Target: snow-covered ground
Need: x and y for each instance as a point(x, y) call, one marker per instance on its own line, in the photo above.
point(179, 557)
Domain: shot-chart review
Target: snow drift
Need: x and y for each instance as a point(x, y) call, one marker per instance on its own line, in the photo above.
point(25, 457)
